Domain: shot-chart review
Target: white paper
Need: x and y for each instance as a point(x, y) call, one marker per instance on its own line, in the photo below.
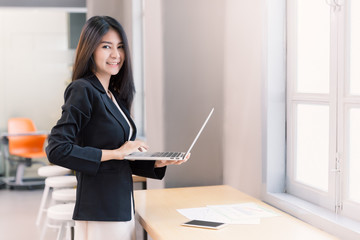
point(243, 210)
point(244, 213)
point(208, 214)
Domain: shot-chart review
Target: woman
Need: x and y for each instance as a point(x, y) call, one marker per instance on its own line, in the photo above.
point(96, 131)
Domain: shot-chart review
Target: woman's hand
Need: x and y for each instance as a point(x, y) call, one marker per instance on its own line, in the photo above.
point(127, 148)
point(163, 163)
point(132, 146)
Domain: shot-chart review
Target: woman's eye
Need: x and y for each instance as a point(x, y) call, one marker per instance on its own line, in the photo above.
point(121, 46)
point(106, 46)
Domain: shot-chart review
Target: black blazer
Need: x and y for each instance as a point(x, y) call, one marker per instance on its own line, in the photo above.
point(90, 122)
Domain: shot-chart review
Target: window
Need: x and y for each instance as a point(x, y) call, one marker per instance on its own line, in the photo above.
point(323, 103)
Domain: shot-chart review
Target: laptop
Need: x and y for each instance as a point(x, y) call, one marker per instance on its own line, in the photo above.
point(167, 155)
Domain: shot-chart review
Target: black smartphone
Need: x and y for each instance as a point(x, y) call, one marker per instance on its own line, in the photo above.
point(204, 224)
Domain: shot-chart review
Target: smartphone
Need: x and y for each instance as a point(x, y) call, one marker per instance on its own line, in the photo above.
point(204, 224)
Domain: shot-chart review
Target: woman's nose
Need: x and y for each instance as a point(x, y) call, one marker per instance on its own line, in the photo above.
point(115, 53)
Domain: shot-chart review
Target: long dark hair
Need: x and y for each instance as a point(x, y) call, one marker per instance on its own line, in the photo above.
point(93, 31)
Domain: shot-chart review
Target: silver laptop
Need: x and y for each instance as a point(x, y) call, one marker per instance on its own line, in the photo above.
point(167, 155)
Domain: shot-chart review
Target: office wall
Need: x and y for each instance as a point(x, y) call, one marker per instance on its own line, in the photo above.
point(119, 9)
point(34, 64)
point(244, 26)
point(193, 72)
point(43, 3)
point(212, 55)
point(154, 74)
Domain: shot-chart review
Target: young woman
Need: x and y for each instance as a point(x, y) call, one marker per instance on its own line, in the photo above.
point(96, 131)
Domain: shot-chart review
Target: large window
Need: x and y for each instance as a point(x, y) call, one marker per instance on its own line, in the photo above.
point(323, 103)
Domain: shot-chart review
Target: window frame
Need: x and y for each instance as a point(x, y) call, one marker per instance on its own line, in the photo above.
point(347, 102)
point(323, 198)
point(274, 135)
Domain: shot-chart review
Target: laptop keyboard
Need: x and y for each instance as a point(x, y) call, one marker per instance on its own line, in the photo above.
point(166, 154)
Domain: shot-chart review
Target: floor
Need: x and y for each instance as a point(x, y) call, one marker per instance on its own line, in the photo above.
point(18, 210)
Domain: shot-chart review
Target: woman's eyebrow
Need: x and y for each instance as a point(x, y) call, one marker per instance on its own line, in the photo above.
point(110, 42)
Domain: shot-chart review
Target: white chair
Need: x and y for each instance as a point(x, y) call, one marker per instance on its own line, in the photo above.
point(65, 195)
point(60, 216)
point(53, 170)
point(54, 183)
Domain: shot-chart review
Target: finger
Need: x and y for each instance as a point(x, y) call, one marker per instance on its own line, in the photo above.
point(142, 149)
point(169, 162)
point(141, 146)
point(144, 145)
point(141, 143)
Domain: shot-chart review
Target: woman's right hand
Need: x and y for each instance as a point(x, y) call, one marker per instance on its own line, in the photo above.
point(130, 147)
point(127, 148)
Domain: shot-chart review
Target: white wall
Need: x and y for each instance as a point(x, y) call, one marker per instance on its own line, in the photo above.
point(118, 9)
point(34, 65)
point(244, 26)
point(213, 56)
point(193, 33)
point(154, 73)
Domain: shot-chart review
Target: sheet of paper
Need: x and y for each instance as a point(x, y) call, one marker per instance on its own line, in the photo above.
point(208, 214)
point(243, 213)
point(243, 210)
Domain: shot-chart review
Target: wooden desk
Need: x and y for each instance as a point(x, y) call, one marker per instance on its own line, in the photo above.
point(138, 179)
point(156, 212)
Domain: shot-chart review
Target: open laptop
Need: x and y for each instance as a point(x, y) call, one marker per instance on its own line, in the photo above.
point(167, 155)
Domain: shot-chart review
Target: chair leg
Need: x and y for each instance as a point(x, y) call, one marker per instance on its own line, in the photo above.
point(43, 231)
point(72, 229)
point(20, 174)
point(42, 205)
point(69, 230)
point(61, 231)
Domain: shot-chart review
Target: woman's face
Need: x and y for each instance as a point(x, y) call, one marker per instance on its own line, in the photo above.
point(109, 56)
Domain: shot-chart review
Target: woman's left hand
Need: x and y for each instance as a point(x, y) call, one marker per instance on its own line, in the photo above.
point(163, 163)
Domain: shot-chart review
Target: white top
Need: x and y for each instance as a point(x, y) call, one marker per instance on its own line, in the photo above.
point(127, 120)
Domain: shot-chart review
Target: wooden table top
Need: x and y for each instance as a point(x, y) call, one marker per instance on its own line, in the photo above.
point(156, 211)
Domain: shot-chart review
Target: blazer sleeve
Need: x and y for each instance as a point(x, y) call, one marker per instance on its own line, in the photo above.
point(147, 169)
point(76, 112)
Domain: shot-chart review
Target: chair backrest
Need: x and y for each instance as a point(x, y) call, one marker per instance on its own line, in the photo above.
point(24, 145)
point(20, 125)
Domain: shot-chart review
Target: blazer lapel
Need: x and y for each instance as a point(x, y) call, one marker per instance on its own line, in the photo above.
point(128, 117)
point(110, 105)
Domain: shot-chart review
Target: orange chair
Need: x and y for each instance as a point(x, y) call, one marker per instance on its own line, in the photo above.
point(24, 144)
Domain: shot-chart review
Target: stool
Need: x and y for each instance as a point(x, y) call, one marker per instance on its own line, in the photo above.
point(54, 182)
point(53, 170)
point(64, 195)
point(62, 215)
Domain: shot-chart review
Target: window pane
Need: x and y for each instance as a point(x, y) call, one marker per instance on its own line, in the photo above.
point(312, 145)
point(354, 155)
point(354, 47)
point(313, 46)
